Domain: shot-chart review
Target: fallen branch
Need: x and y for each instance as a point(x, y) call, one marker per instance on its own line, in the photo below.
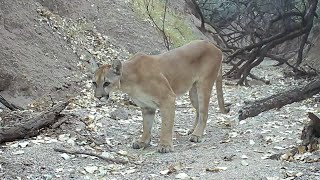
point(11, 106)
point(32, 126)
point(119, 161)
point(279, 100)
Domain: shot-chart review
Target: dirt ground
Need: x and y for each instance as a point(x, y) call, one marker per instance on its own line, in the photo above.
point(44, 59)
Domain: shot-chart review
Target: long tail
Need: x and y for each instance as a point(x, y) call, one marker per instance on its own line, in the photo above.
point(220, 91)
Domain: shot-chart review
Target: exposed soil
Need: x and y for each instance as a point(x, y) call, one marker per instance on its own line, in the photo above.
point(37, 62)
point(40, 59)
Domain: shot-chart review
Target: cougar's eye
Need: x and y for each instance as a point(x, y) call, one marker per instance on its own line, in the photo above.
point(94, 83)
point(106, 84)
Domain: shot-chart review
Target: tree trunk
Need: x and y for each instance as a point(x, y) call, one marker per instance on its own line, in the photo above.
point(32, 126)
point(278, 100)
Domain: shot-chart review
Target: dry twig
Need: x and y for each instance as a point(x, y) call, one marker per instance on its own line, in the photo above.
point(119, 161)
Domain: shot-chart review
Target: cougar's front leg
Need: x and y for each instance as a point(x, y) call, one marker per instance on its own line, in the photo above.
point(148, 118)
point(167, 110)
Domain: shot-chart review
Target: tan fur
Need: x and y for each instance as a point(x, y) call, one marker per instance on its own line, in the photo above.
point(154, 81)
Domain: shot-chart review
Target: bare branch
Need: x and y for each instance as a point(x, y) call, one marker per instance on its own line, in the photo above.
point(147, 4)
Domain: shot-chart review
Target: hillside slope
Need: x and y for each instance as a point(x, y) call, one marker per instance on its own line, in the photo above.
point(36, 62)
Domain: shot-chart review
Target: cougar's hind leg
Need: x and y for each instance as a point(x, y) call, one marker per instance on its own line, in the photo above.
point(204, 89)
point(194, 101)
point(148, 118)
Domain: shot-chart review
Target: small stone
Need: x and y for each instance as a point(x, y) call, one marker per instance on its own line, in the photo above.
point(119, 114)
point(244, 163)
point(284, 156)
point(65, 156)
point(71, 142)
point(48, 176)
point(182, 176)
point(164, 172)
point(233, 134)
point(244, 157)
point(242, 122)
point(107, 154)
point(63, 137)
point(251, 142)
point(91, 169)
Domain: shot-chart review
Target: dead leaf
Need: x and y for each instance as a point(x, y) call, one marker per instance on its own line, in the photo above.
point(273, 178)
point(182, 132)
point(226, 140)
point(301, 149)
point(175, 167)
point(279, 148)
point(18, 152)
point(228, 158)
point(172, 168)
point(123, 153)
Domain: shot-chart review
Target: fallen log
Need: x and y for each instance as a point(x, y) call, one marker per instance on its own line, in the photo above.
point(32, 126)
point(279, 100)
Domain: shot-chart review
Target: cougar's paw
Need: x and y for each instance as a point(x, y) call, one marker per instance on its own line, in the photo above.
point(195, 138)
point(165, 148)
point(139, 145)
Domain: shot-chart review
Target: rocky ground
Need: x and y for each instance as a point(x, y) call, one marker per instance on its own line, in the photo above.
point(231, 149)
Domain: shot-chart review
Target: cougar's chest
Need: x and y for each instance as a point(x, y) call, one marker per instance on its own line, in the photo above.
point(144, 101)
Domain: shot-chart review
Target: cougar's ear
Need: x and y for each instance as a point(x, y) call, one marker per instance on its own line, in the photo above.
point(116, 67)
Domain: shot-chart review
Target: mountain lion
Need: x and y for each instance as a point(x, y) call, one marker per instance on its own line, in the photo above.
point(154, 81)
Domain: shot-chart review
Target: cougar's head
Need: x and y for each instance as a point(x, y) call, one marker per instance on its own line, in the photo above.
point(105, 78)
